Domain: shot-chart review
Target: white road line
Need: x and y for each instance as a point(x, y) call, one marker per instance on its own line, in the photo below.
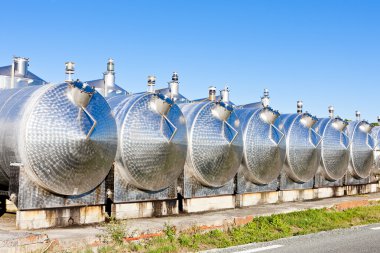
point(376, 228)
point(262, 249)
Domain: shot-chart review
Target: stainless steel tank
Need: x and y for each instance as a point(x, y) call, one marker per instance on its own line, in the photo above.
point(303, 150)
point(215, 146)
point(264, 144)
point(152, 139)
point(335, 154)
point(64, 136)
point(361, 148)
point(375, 133)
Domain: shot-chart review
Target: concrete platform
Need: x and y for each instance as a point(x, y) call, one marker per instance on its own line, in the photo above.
point(13, 240)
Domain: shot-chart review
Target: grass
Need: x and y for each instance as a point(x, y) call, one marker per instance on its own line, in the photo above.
point(261, 229)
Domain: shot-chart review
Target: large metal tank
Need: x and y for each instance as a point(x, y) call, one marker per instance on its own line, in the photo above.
point(152, 139)
point(264, 144)
point(215, 145)
point(303, 150)
point(335, 154)
point(63, 135)
point(375, 133)
point(361, 148)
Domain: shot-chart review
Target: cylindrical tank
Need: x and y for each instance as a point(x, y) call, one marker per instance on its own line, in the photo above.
point(303, 150)
point(63, 135)
point(361, 148)
point(152, 139)
point(263, 143)
point(215, 146)
point(375, 133)
point(335, 154)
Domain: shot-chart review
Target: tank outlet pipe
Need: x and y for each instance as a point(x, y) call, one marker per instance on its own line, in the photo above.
point(299, 106)
point(225, 95)
point(265, 100)
point(174, 86)
point(331, 111)
point(151, 83)
point(69, 71)
point(212, 93)
point(80, 94)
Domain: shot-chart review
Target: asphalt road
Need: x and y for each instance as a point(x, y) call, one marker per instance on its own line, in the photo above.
point(362, 239)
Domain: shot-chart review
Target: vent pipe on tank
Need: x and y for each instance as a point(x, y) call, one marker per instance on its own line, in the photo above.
point(109, 76)
point(357, 115)
point(331, 111)
point(378, 119)
point(69, 70)
point(21, 65)
point(174, 86)
point(299, 107)
point(151, 83)
point(212, 93)
point(265, 100)
point(225, 95)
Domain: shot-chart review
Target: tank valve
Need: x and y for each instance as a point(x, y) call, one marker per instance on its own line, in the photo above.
point(212, 93)
point(299, 106)
point(357, 115)
point(331, 111)
point(265, 99)
point(151, 83)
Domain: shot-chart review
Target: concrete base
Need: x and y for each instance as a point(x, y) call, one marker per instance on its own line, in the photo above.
point(252, 199)
point(59, 217)
point(10, 207)
point(145, 209)
point(196, 205)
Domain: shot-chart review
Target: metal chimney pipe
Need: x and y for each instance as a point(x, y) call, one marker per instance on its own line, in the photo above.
point(225, 95)
point(331, 111)
point(265, 100)
point(69, 70)
point(357, 114)
point(212, 93)
point(110, 65)
point(299, 107)
point(151, 83)
point(174, 86)
point(21, 65)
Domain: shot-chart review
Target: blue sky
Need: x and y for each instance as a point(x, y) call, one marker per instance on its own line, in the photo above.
point(323, 52)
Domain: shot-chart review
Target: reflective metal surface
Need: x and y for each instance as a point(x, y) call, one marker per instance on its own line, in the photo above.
point(335, 154)
point(264, 144)
point(303, 150)
point(375, 133)
point(215, 142)
point(152, 140)
point(361, 149)
point(65, 148)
